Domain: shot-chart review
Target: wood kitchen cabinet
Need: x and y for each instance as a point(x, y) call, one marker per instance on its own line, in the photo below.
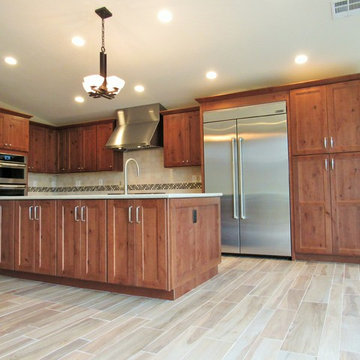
point(312, 204)
point(14, 132)
point(182, 137)
point(37, 149)
point(107, 159)
point(35, 238)
point(325, 119)
point(327, 204)
point(7, 223)
point(82, 240)
point(137, 251)
point(63, 150)
point(42, 156)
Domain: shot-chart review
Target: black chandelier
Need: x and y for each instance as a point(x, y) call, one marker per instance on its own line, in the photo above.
point(102, 85)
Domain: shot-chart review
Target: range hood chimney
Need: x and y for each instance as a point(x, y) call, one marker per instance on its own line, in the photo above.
point(138, 127)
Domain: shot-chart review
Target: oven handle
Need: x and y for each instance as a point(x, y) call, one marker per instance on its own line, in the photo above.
point(12, 186)
point(12, 165)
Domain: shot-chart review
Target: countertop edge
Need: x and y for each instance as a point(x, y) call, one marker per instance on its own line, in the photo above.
point(110, 197)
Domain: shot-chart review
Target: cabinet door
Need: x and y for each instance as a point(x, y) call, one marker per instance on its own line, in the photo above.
point(150, 244)
point(63, 150)
point(7, 217)
point(2, 126)
point(88, 134)
point(176, 140)
point(345, 190)
point(24, 236)
point(105, 157)
point(120, 242)
point(194, 138)
point(93, 240)
point(312, 206)
point(344, 116)
point(37, 149)
point(45, 236)
point(308, 121)
point(51, 158)
point(75, 150)
point(68, 238)
point(16, 133)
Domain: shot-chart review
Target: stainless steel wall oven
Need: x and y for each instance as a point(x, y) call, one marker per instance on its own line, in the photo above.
point(13, 174)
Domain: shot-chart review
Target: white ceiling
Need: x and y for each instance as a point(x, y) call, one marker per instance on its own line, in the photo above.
point(250, 44)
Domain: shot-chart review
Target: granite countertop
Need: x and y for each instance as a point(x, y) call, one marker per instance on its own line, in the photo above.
point(111, 196)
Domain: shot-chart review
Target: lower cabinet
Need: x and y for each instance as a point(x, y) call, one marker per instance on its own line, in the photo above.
point(137, 246)
point(81, 245)
point(327, 204)
point(35, 236)
point(7, 218)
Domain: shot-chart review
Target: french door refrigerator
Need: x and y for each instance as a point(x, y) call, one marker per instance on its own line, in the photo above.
point(246, 159)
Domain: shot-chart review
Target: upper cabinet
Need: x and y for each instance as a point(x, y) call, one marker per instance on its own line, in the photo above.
point(73, 149)
point(42, 149)
point(182, 140)
point(14, 131)
point(325, 119)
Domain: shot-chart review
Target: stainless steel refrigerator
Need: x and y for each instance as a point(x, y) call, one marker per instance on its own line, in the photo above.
point(246, 158)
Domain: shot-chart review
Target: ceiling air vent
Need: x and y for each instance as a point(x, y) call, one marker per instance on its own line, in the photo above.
point(344, 8)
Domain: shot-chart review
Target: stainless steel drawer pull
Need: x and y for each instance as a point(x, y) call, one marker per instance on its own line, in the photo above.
point(137, 215)
point(130, 215)
point(30, 213)
point(325, 142)
point(326, 164)
point(76, 213)
point(331, 142)
point(82, 214)
point(36, 212)
point(332, 164)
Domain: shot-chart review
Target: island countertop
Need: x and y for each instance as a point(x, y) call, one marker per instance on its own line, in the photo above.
point(112, 196)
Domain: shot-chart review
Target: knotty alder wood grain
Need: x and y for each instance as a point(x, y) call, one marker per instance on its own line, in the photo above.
point(46, 321)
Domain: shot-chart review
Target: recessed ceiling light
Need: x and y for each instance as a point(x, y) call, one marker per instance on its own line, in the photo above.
point(78, 41)
point(211, 75)
point(139, 88)
point(301, 59)
point(165, 16)
point(79, 99)
point(10, 60)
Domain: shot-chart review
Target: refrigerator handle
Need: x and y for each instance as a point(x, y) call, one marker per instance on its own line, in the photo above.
point(235, 188)
point(241, 181)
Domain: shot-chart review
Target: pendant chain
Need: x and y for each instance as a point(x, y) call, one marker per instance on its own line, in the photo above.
point(103, 36)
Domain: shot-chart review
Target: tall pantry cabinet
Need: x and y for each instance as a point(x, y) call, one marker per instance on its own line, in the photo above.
point(325, 147)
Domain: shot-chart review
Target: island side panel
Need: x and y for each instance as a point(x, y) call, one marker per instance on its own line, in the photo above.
point(195, 242)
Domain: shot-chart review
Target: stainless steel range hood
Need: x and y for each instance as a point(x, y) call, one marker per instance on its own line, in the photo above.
point(137, 128)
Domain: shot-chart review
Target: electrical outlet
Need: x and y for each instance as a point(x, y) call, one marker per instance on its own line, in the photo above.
point(77, 182)
point(35, 183)
point(101, 182)
point(53, 183)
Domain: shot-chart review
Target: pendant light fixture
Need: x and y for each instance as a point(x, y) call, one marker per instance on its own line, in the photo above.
point(102, 85)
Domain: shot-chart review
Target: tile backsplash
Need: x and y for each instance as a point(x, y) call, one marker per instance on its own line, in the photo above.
point(153, 178)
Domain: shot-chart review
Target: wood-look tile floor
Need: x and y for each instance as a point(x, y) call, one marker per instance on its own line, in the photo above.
point(254, 309)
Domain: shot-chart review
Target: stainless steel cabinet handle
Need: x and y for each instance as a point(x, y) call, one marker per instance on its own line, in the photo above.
point(82, 213)
point(325, 142)
point(332, 164)
point(36, 212)
point(326, 164)
point(30, 213)
point(76, 213)
point(234, 180)
point(130, 214)
point(241, 181)
point(137, 215)
point(331, 142)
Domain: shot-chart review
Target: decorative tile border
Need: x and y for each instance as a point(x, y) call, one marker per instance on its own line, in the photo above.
point(110, 188)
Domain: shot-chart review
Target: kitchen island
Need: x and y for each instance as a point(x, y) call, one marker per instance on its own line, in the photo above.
point(157, 245)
